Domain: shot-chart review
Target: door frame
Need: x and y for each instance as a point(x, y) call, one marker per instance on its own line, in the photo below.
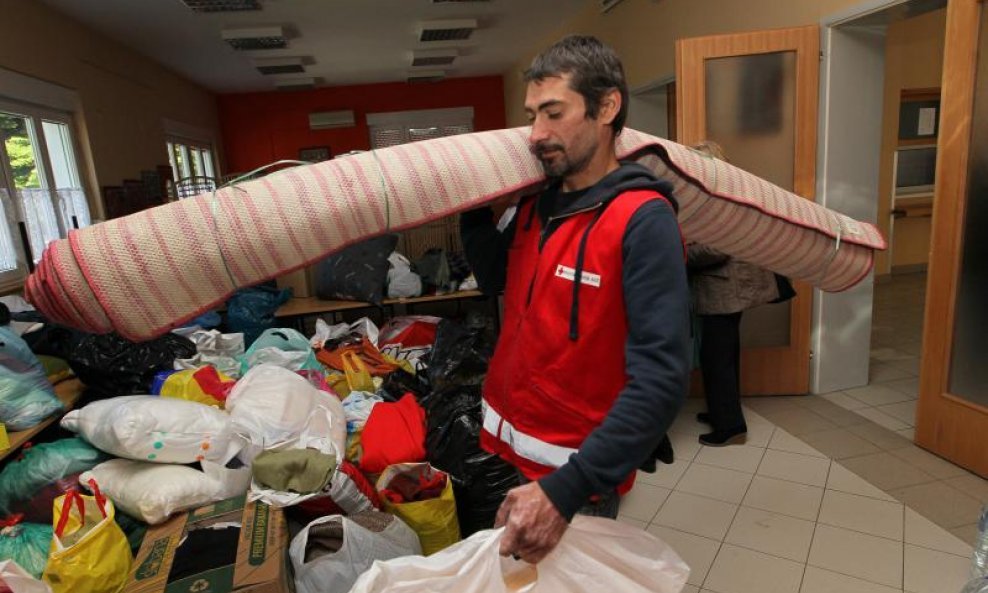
point(781, 370)
point(947, 424)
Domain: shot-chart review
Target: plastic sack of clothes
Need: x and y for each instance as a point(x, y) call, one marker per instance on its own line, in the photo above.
point(26, 395)
point(152, 492)
point(250, 311)
point(403, 283)
point(205, 385)
point(29, 484)
point(89, 552)
point(17, 580)
point(594, 555)
point(348, 492)
point(281, 347)
point(461, 353)
point(394, 433)
point(409, 337)
point(358, 272)
point(110, 365)
point(222, 351)
point(338, 354)
point(149, 428)
point(400, 382)
point(361, 328)
point(434, 269)
point(480, 480)
point(26, 544)
point(274, 408)
point(422, 497)
point(330, 553)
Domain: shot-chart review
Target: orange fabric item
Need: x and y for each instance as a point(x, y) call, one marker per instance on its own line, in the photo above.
point(376, 363)
point(394, 433)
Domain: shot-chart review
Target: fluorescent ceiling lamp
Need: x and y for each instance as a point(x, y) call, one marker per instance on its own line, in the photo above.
point(279, 65)
point(433, 57)
point(447, 30)
point(255, 38)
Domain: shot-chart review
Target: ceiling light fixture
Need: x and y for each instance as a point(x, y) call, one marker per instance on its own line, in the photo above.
point(447, 30)
point(255, 38)
point(433, 57)
point(279, 65)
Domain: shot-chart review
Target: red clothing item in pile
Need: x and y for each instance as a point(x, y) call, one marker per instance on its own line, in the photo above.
point(394, 433)
point(404, 488)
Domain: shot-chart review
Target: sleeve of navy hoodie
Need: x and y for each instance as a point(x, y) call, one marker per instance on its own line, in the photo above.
point(486, 248)
point(657, 355)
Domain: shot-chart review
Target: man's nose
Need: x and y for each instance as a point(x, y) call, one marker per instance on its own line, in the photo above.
point(539, 132)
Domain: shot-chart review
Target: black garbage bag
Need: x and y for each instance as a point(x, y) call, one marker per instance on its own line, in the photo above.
point(54, 340)
point(461, 353)
point(250, 311)
point(399, 382)
point(480, 480)
point(108, 365)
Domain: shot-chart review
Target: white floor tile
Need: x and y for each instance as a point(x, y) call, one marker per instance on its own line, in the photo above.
point(783, 441)
point(929, 571)
point(902, 411)
point(860, 513)
point(696, 514)
point(743, 458)
point(908, 433)
point(924, 533)
point(690, 589)
point(759, 430)
point(794, 467)
point(631, 521)
point(818, 580)
point(643, 502)
point(696, 551)
point(844, 480)
point(844, 400)
point(685, 446)
point(665, 476)
point(882, 419)
point(771, 533)
point(867, 557)
point(877, 394)
point(737, 570)
point(715, 482)
point(780, 496)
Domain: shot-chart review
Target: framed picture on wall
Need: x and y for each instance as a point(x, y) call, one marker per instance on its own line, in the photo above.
point(315, 154)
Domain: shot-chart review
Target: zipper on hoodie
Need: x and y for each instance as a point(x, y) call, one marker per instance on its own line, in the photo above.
point(544, 236)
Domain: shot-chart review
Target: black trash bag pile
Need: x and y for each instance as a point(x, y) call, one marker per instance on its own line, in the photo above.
point(108, 365)
point(456, 372)
point(399, 382)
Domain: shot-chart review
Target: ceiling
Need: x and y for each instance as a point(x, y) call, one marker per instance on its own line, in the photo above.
point(343, 41)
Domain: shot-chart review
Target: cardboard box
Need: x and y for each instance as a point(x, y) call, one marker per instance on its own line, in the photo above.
point(233, 546)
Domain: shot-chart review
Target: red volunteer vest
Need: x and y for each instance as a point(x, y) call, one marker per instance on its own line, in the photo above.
point(544, 392)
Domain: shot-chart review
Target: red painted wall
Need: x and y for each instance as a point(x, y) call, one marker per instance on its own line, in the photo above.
point(259, 128)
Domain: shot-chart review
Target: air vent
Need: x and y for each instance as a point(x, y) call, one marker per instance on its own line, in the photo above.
point(295, 84)
point(324, 120)
point(426, 75)
point(255, 38)
point(280, 66)
point(222, 5)
point(451, 30)
point(438, 57)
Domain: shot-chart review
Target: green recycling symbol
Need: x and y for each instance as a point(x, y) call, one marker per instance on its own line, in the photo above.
point(199, 585)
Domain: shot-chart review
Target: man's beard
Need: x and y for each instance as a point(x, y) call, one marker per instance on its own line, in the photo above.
point(562, 165)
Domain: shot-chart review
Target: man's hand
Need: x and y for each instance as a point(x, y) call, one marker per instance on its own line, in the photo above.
point(532, 524)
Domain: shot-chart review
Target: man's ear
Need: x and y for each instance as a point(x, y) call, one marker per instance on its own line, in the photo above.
point(610, 106)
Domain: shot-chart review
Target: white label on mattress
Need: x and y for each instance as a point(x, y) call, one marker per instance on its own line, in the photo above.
point(585, 278)
point(852, 227)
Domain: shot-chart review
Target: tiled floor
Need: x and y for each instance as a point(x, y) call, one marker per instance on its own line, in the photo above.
point(828, 495)
point(778, 516)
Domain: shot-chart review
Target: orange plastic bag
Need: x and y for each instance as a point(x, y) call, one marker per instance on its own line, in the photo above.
point(89, 551)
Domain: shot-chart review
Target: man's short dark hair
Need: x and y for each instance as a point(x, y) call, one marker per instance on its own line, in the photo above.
point(594, 68)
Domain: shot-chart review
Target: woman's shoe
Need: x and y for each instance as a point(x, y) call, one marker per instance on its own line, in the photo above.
point(721, 438)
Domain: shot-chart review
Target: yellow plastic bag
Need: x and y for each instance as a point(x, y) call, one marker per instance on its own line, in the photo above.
point(433, 520)
point(338, 383)
point(206, 386)
point(357, 375)
point(89, 552)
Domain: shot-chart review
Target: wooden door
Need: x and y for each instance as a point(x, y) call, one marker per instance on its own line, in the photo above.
point(952, 414)
point(755, 94)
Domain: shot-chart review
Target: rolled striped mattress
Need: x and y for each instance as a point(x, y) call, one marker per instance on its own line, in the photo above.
point(144, 274)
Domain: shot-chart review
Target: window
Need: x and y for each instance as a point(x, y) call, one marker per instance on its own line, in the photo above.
point(189, 158)
point(41, 193)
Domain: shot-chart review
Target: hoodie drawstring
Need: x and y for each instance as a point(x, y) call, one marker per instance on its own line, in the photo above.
point(574, 313)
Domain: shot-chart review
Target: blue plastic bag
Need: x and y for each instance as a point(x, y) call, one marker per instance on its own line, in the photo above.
point(27, 544)
point(251, 310)
point(26, 395)
point(300, 356)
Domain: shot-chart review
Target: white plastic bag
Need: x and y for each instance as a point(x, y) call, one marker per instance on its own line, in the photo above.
point(153, 492)
point(402, 281)
point(337, 572)
point(150, 428)
point(357, 407)
point(19, 581)
point(594, 555)
point(212, 347)
point(363, 326)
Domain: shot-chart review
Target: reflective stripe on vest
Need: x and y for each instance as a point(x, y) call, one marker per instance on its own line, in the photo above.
point(522, 444)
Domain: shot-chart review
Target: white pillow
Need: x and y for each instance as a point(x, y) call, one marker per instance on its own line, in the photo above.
point(152, 491)
point(151, 428)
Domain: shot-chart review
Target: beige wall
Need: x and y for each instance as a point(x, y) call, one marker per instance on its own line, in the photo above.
point(123, 95)
point(644, 32)
point(913, 59)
